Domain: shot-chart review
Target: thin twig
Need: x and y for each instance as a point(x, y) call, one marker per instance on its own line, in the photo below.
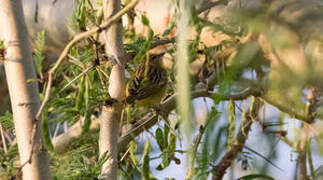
point(4, 143)
point(56, 129)
point(78, 76)
point(301, 117)
point(198, 139)
point(310, 160)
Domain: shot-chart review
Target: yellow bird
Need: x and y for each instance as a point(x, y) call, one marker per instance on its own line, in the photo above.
point(148, 84)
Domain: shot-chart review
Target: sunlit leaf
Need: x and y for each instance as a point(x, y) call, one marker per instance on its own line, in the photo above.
point(256, 176)
point(231, 124)
point(144, 20)
point(146, 161)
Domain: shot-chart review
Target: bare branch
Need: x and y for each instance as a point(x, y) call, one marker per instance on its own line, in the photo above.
point(62, 141)
point(198, 139)
point(220, 169)
point(301, 117)
point(3, 139)
point(210, 4)
point(170, 104)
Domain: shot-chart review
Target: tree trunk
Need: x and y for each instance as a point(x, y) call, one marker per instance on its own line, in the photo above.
point(111, 113)
point(24, 96)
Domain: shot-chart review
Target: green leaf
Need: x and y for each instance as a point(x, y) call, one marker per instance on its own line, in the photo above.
point(7, 121)
point(145, 48)
point(145, 161)
point(165, 160)
point(172, 144)
point(103, 158)
point(231, 124)
point(132, 152)
point(166, 132)
point(263, 157)
point(38, 54)
point(144, 20)
point(170, 28)
point(159, 138)
point(87, 115)
point(80, 96)
point(256, 176)
point(46, 133)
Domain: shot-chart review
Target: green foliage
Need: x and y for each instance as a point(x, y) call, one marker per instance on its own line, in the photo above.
point(145, 20)
point(210, 148)
point(167, 145)
point(83, 15)
point(144, 49)
point(144, 167)
point(82, 98)
point(1, 44)
point(81, 161)
point(146, 174)
point(45, 130)
point(7, 121)
point(38, 52)
point(8, 167)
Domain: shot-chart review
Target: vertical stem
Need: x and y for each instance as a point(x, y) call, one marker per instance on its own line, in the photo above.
point(109, 131)
point(302, 165)
point(24, 95)
point(310, 160)
point(182, 79)
point(111, 113)
point(3, 139)
point(302, 154)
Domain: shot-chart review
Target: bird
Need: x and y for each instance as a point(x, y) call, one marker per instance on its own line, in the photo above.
point(148, 84)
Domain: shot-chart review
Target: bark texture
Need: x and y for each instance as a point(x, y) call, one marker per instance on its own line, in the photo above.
point(24, 95)
point(111, 113)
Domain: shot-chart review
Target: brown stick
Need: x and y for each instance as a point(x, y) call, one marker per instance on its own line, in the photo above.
point(3, 139)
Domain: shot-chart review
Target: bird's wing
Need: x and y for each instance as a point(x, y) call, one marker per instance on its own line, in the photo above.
point(144, 86)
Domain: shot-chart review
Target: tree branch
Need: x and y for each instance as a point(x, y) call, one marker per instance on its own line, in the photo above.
point(170, 104)
point(110, 117)
point(210, 4)
point(220, 169)
point(62, 141)
point(301, 117)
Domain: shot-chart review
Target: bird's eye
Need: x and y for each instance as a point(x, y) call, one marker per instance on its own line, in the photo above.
point(138, 80)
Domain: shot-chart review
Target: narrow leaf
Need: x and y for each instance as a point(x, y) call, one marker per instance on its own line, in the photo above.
point(256, 176)
point(159, 138)
point(231, 124)
point(45, 129)
point(144, 20)
point(145, 161)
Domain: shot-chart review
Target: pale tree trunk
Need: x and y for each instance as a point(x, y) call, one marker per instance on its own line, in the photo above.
point(111, 112)
point(24, 96)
